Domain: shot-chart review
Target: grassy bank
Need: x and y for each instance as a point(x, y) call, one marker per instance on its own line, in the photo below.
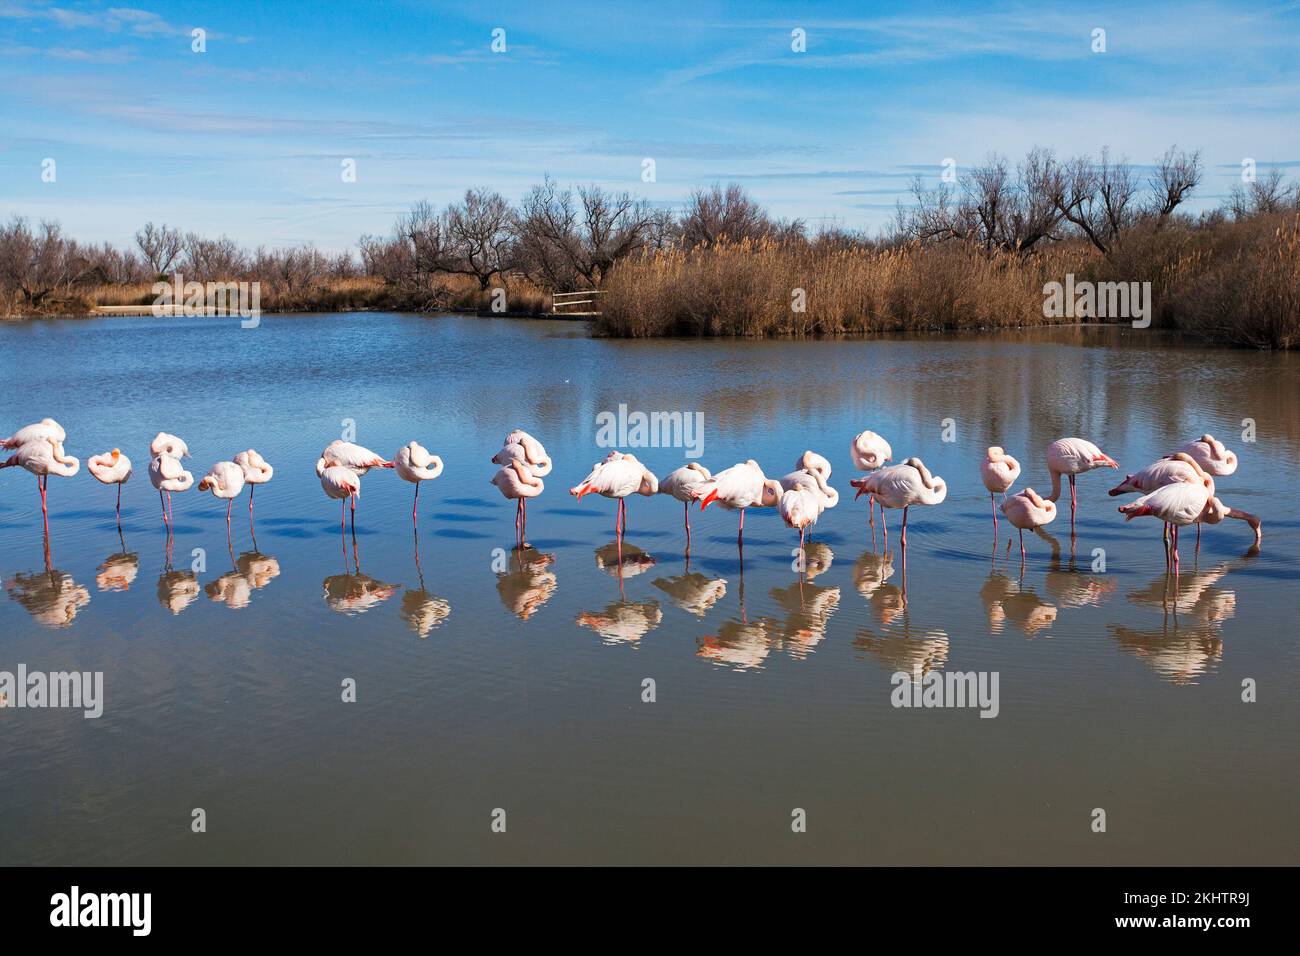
point(1233, 282)
point(354, 294)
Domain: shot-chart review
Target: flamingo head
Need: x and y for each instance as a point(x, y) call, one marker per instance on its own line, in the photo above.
point(772, 492)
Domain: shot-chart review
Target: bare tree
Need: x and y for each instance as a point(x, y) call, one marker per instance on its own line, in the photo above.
point(1177, 173)
point(614, 225)
point(566, 240)
point(212, 260)
point(1096, 198)
point(39, 264)
point(478, 236)
point(723, 213)
point(160, 245)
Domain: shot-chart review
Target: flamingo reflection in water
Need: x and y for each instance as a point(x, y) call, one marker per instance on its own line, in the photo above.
point(421, 610)
point(693, 592)
point(51, 596)
point(252, 572)
point(527, 583)
point(623, 622)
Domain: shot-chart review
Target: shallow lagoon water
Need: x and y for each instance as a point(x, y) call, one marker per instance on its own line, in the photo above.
point(521, 689)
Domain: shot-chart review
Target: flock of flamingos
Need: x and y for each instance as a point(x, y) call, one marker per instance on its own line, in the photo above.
point(1178, 489)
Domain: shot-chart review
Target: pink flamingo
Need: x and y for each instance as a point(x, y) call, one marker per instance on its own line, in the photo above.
point(342, 484)
point(225, 480)
point(681, 484)
point(1211, 456)
point(1073, 456)
point(44, 457)
point(517, 482)
point(1184, 503)
point(804, 497)
point(165, 444)
point(356, 458)
point(521, 446)
point(870, 452)
point(737, 488)
point(999, 472)
point(257, 471)
point(45, 429)
point(414, 464)
point(1179, 466)
point(902, 486)
point(112, 468)
point(167, 475)
point(616, 477)
point(1028, 510)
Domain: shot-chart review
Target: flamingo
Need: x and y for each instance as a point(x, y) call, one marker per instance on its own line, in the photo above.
point(870, 452)
point(681, 484)
point(414, 464)
point(805, 496)
point(167, 475)
point(521, 446)
point(813, 462)
point(165, 444)
point(1211, 455)
point(356, 458)
point(1183, 503)
point(342, 484)
point(225, 479)
point(618, 476)
point(901, 486)
point(44, 429)
point(257, 471)
point(1179, 466)
point(999, 472)
point(516, 481)
point(1027, 510)
point(113, 468)
point(741, 486)
point(43, 457)
point(1073, 456)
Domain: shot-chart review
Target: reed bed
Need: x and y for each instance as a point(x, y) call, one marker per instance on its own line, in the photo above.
point(1234, 282)
point(752, 289)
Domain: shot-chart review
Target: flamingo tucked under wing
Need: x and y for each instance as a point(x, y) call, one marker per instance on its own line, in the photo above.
point(111, 468)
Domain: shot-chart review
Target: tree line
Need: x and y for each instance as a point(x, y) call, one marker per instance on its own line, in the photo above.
point(569, 238)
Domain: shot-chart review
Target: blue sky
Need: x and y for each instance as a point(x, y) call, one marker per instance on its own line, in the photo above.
point(247, 138)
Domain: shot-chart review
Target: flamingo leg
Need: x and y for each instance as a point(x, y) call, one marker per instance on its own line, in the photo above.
point(1198, 537)
point(162, 503)
point(171, 515)
point(45, 515)
point(1074, 502)
point(871, 511)
point(741, 534)
point(1022, 545)
point(994, 505)
point(353, 499)
point(884, 524)
point(416, 506)
point(343, 517)
point(119, 504)
point(251, 489)
point(902, 537)
point(1175, 549)
point(686, 512)
point(229, 503)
